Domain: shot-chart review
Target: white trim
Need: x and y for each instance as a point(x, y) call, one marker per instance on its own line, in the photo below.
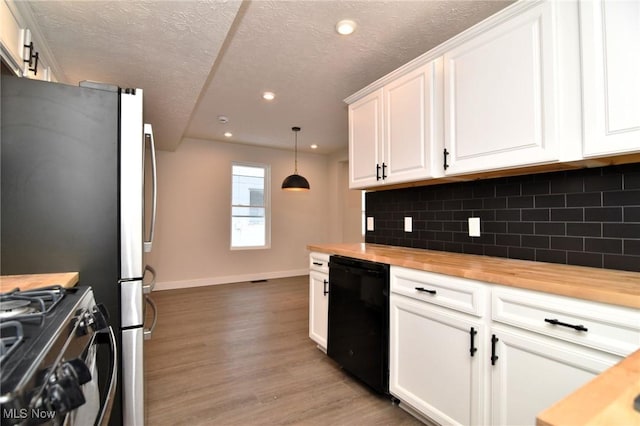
point(229, 279)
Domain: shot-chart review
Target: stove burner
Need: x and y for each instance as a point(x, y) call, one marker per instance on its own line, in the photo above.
point(13, 308)
point(26, 305)
point(11, 335)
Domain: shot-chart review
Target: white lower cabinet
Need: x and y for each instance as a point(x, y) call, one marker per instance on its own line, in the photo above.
point(531, 348)
point(433, 367)
point(319, 298)
point(530, 373)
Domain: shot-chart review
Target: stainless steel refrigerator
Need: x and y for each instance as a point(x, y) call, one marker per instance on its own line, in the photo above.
point(73, 167)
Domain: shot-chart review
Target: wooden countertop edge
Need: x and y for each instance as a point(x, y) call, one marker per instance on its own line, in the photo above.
point(600, 285)
point(34, 281)
point(605, 400)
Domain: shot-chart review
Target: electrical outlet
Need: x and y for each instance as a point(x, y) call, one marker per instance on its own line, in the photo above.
point(408, 224)
point(474, 226)
point(369, 223)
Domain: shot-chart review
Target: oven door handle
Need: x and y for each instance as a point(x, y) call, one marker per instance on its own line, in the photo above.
point(105, 414)
point(149, 331)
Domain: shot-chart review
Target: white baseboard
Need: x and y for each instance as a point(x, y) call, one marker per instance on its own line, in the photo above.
point(200, 282)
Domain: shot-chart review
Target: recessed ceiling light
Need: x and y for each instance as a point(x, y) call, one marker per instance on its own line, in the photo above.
point(222, 119)
point(228, 134)
point(345, 27)
point(269, 96)
point(314, 146)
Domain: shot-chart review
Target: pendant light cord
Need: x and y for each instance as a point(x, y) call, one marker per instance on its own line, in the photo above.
point(296, 130)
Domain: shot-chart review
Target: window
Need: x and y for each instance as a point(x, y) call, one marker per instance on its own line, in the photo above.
point(250, 224)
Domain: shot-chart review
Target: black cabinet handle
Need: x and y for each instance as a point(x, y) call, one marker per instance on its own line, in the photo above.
point(578, 327)
point(377, 171)
point(384, 175)
point(325, 290)
point(317, 263)
point(494, 357)
point(32, 56)
point(426, 290)
point(472, 335)
point(35, 67)
point(446, 166)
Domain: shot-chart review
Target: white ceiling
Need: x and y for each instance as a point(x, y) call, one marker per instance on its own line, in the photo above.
point(196, 60)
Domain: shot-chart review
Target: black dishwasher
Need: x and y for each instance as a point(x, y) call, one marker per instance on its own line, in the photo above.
point(358, 333)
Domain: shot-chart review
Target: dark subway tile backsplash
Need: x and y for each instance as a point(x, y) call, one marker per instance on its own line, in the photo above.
point(588, 217)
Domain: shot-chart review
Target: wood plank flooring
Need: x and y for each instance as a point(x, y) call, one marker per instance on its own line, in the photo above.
point(240, 354)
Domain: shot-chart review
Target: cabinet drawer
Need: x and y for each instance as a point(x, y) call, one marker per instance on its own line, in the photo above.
point(319, 262)
point(443, 290)
point(614, 329)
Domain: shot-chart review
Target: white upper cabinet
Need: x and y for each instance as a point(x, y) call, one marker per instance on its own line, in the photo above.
point(413, 124)
point(512, 91)
point(365, 141)
point(11, 39)
point(610, 33)
point(395, 131)
point(21, 49)
point(541, 82)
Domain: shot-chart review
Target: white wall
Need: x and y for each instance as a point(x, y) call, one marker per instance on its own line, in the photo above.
point(345, 205)
point(193, 223)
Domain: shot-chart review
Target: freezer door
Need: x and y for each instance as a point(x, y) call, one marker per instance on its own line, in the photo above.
point(131, 185)
point(131, 304)
point(133, 377)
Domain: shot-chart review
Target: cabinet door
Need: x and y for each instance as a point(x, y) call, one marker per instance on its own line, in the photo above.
point(430, 364)
point(531, 373)
point(610, 31)
point(412, 111)
point(365, 141)
point(318, 307)
point(501, 99)
point(11, 39)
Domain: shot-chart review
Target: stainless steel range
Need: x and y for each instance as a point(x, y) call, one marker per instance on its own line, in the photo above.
point(48, 344)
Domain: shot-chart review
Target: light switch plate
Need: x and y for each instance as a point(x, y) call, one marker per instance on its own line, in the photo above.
point(408, 224)
point(369, 223)
point(474, 226)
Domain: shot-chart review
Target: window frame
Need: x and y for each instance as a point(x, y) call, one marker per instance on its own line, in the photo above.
point(266, 201)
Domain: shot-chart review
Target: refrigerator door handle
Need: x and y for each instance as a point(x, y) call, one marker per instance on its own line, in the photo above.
point(148, 135)
point(148, 332)
point(148, 288)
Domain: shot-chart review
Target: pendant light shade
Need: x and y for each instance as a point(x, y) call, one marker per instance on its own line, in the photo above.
point(295, 182)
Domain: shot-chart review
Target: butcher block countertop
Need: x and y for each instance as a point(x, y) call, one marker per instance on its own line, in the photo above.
point(605, 400)
point(34, 281)
point(599, 285)
point(608, 398)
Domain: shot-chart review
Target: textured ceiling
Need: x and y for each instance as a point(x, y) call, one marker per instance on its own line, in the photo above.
point(166, 48)
point(198, 60)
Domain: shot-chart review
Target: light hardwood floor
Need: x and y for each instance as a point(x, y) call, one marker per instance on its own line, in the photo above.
point(240, 354)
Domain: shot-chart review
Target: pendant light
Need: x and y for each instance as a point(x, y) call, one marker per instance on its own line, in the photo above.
point(295, 182)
